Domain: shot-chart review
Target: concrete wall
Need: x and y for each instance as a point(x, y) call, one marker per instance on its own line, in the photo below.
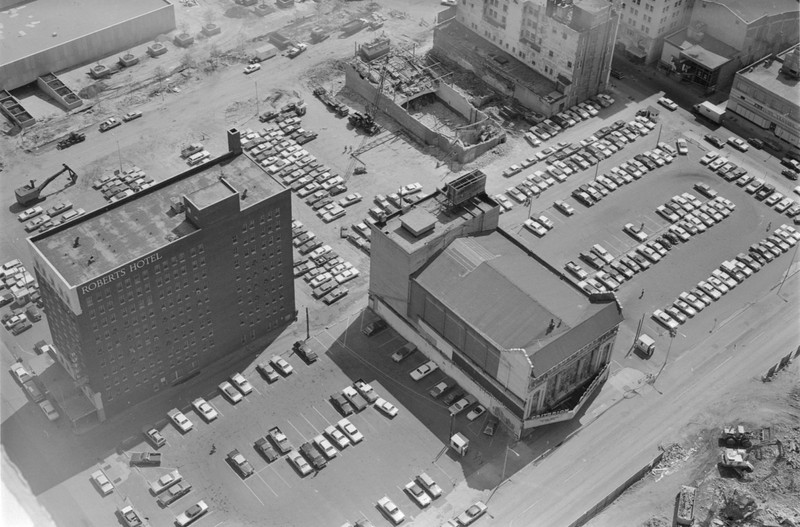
point(88, 48)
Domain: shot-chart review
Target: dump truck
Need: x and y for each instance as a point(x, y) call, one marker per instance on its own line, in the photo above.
point(685, 509)
point(263, 53)
point(709, 111)
point(354, 26)
point(71, 139)
point(736, 437)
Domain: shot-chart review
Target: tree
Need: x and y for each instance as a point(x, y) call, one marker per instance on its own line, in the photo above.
point(184, 27)
point(187, 60)
point(160, 73)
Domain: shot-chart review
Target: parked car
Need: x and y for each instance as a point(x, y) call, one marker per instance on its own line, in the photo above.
point(48, 410)
point(174, 493)
point(416, 493)
point(281, 365)
point(154, 437)
point(386, 407)
point(232, 394)
point(103, 484)
point(350, 431)
point(264, 448)
point(240, 464)
point(391, 511)
point(267, 371)
point(202, 407)
point(472, 513)
point(130, 116)
point(191, 514)
point(423, 370)
point(180, 420)
point(374, 327)
point(669, 104)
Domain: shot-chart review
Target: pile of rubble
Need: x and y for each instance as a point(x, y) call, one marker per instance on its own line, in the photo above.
point(674, 455)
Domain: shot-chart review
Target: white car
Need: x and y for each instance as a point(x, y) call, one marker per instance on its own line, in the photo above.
point(426, 482)
point(564, 207)
point(350, 199)
point(191, 514)
point(180, 420)
point(230, 393)
point(337, 437)
point(668, 104)
point(242, 384)
point(316, 253)
point(299, 462)
point(350, 430)
point(533, 226)
point(49, 411)
point(391, 510)
point(102, 483)
point(709, 157)
point(417, 494)
point(546, 222)
point(412, 188)
point(476, 412)
point(251, 68)
point(325, 447)
point(738, 144)
point(504, 202)
point(386, 407)
point(683, 147)
point(634, 231)
point(202, 407)
point(281, 365)
point(665, 320)
point(458, 406)
point(424, 370)
point(30, 213)
point(20, 372)
point(474, 512)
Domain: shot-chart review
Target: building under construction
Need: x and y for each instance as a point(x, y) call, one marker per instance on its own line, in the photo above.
point(401, 85)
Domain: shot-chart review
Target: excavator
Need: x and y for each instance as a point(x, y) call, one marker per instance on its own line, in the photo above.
point(30, 193)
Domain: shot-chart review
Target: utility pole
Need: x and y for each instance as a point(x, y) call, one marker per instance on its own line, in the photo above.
point(258, 111)
point(786, 274)
point(660, 126)
point(119, 156)
point(308, 327)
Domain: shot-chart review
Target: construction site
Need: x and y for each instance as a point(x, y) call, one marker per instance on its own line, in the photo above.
point(414, 92)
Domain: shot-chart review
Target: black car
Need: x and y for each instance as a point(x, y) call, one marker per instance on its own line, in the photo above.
point(340, 403)
point(374, 328)
point(240, 464)
point(617, 74)
point(264, 448)
point(714, 140)
point(756, 143)
point(313, 455)
point(452, 397)
point(789, 173)
point(305, 353)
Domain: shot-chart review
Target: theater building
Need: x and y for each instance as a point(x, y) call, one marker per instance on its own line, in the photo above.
point(146, 292)
point(529, 345)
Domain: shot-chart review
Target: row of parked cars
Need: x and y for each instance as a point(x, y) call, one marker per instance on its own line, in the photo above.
point(38, 219)
point(758, 187)
point(688, 216)
point(320, 266)
point(122, 184)
point(726, 277)
point(18, 287)
point(565, 159)
point(549, 128)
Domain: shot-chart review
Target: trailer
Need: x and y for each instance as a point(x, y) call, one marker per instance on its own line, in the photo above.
point(263, 53)
point(709, 111)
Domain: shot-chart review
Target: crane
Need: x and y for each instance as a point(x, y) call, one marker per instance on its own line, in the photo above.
point(30, 193)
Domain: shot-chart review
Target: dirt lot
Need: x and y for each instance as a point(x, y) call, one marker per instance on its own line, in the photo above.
point(769, 496)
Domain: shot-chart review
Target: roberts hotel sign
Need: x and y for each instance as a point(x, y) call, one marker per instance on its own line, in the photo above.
point(119, 273)
point(69, 292)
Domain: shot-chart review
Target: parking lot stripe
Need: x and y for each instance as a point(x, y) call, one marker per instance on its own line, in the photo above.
point(452, 481)
point(267, 484)
point(298, 431)
point(310, 423)
point(252, 492)
point(279, 475)
point(320, 414)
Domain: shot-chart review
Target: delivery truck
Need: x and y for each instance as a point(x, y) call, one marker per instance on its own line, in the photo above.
point(263, 53)
point(709, 111)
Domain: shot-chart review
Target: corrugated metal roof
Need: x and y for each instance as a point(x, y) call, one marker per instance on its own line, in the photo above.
point(511, 299)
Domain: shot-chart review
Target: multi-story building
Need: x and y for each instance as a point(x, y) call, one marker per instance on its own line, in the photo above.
point(145, 292)
point(566, 44)
point(492, 315)
point(725, 35)
point(766, 94)
point(644, 23)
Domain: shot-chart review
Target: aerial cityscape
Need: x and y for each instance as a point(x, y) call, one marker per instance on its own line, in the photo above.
point(358, 263)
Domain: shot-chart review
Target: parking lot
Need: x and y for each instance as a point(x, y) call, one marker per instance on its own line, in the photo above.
point(393, 452)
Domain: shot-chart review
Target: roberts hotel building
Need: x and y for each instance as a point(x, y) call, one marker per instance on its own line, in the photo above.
point(145, 292)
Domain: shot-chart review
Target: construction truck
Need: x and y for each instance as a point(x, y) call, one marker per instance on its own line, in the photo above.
point(318, 35)
point(263, 53)
point(736, 460)
point(30, 193)
point(365, 122)
point(736, 437)
point(331, 102)
point(354, 26)
point(71, 139)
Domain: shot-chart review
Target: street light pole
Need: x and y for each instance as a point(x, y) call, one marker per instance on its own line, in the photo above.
point(258, 111)
point(505, 462)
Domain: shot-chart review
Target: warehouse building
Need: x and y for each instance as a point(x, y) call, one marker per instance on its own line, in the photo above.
point(146, 292)
point(492, 315)
point(46, 36)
